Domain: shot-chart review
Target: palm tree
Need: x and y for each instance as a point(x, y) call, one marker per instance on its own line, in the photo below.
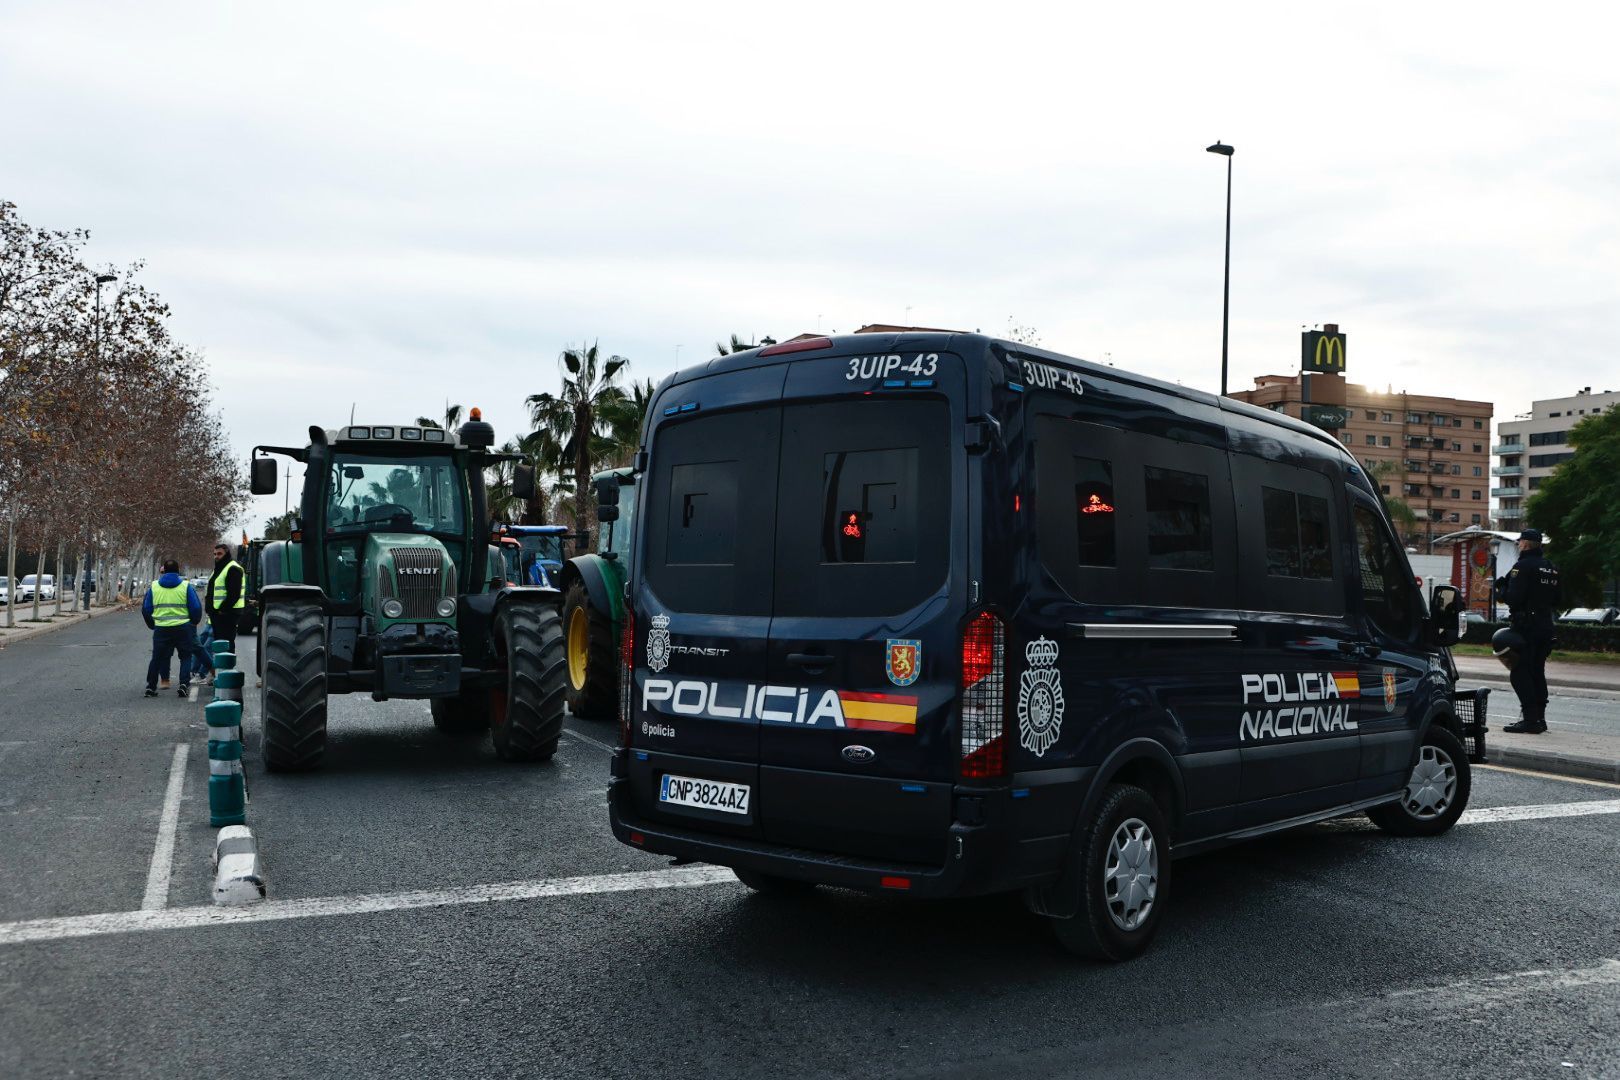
point(739, 345)
point(625, 420)
point(503, 506)
point(577, 418)
point(452, 418)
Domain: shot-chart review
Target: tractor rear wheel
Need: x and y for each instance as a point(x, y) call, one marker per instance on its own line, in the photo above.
point(464, 714)
point(526, 712)
point(292, 700)
point(593, 670)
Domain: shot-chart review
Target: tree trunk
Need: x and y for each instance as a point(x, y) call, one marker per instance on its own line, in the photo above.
point(39, 580)
point(11, 571)
point(582, 466)
point(61, 548)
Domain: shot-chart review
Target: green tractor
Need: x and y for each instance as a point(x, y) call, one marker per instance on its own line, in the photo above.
point(389, 585)
point(593, 601)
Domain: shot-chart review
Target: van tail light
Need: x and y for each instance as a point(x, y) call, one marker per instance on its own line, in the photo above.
point(627, 673)
point(984, 684)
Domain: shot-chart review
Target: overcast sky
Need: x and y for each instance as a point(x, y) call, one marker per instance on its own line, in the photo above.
point(392, 205)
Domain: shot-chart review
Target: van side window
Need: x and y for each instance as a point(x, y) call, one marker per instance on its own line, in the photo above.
point(702, 514)
point(1297, 535)
point(1385, 593)
point(1178, 521)
point(869, 511)
point(1094, 510)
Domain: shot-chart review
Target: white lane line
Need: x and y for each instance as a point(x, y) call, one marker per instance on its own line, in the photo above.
point(157, 877)
point(1550, 776)
point(1531, 813)
point(124, 922)
point(587, 739)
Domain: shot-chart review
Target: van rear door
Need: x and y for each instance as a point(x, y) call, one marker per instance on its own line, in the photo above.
point(702, 603)
point(869, 552)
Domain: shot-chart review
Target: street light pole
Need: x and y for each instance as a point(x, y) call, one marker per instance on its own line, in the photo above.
point(101, 279)
point(1226, 277)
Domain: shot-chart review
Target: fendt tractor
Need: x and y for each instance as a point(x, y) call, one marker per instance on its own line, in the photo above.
point(389, 585)
point(593, 601)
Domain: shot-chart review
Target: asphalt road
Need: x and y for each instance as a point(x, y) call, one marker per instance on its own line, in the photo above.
point(437, 912)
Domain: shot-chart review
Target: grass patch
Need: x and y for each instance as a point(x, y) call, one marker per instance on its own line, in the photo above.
point(1566, 656)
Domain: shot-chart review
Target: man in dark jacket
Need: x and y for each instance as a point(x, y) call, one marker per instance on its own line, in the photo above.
point(172, 610)
point(227, 595)
point(1531, 591)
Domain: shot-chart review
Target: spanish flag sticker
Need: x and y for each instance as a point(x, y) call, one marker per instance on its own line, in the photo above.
point(1348, 682)
point(879, 712)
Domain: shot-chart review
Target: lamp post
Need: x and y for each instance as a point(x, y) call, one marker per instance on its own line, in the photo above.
point(101, 279)
point(1226, 278)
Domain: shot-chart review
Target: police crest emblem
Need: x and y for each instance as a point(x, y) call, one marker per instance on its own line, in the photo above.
point(1040, 697)
point(658, 643)
point(903, 661)
point(1389, 691)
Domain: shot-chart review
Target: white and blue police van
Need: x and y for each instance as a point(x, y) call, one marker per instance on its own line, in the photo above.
point(939, 614)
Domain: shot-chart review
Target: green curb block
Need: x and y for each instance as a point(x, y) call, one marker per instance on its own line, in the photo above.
point(227, 787)
point(224, 661)
point(216, 647)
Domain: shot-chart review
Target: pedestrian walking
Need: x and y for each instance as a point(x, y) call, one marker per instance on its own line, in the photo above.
point(172, 610)
point(227, 595)
point(1531, 591)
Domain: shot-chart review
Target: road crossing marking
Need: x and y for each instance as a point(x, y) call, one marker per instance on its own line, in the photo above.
point(689, 877)
point(157, 876)
point(600, 745)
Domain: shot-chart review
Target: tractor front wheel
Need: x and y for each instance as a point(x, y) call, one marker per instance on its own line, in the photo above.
point(292, 700)
point(526, 712)
point(593, 669)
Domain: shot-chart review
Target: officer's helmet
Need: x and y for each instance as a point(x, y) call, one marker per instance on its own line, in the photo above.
point(1508, 645)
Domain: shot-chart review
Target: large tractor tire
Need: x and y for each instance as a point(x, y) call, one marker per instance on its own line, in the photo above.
point(464, 714)
point(292, 701)
point(593, 668)
point(526, 713)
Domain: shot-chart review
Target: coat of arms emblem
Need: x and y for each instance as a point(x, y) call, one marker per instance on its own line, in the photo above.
point(658, 643)
point(904, 661)
point(1389, 691)
point(1040, 697)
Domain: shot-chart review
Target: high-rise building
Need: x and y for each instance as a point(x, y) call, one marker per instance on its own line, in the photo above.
point(1430, 451)
point(1535, 444)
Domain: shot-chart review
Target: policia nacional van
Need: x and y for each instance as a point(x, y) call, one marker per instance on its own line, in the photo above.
point(941, 614)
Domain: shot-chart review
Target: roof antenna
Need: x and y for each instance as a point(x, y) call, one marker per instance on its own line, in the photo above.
point(351, 412)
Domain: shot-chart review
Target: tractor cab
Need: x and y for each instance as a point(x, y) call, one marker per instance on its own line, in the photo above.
point(543, 550)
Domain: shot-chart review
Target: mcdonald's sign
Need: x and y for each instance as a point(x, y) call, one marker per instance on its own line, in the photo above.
point(1322, 351)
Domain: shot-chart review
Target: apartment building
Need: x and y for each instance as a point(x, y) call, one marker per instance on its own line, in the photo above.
point(1431, 451)
point(1532, 446)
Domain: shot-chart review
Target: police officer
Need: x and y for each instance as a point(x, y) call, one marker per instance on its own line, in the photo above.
point(227, 595)
point(1531, 591)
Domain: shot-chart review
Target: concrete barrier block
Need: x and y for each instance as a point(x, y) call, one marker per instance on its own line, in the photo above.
point(238, 874)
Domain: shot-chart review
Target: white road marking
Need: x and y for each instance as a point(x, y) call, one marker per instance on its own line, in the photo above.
point(1531, 813)
point(157, 877)
point(124, 922)
point(587, 739)
point(1550, 776)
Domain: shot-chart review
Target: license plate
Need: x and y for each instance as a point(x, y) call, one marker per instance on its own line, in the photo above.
point(704, 794)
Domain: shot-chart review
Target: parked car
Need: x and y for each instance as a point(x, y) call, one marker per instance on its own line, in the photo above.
point(1601, 615)
point(5, 590)
point(26, 587)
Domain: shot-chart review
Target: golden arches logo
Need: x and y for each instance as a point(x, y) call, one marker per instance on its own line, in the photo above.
point(1331, 347)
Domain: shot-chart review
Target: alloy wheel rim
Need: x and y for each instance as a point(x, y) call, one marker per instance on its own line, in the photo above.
point(1131, 874)
point(1432, 787)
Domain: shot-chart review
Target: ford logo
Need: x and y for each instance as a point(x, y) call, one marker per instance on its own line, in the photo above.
point(858, 755)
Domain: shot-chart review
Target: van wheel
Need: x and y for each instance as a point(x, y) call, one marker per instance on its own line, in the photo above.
point(1125, 877)
point(771, 884)
point(1436, 792)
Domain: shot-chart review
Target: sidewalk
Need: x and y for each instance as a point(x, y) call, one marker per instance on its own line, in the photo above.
point(23, 631)
point(1586, 746)
point(1561, 677)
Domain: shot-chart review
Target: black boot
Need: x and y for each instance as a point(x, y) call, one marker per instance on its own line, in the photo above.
point(1527, 726)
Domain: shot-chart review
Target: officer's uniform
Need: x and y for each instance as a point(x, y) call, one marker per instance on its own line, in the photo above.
point(1532, 598)
point(171, 609)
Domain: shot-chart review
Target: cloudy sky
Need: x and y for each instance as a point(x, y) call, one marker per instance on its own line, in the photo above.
point(390, 205)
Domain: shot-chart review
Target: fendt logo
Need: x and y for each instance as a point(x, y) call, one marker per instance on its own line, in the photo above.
point(415, 570)
point(1322, 350)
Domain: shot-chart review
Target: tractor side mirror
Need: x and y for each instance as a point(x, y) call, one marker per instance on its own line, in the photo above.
point(523, 482)
point(607, 513)
point(607, 493)
point(262, 476)
point(1445, 607)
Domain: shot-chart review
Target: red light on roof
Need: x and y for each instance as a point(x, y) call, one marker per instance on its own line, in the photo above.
point(1017, 503)
point(475, 413)
point(807, 345)
point(1095, 505)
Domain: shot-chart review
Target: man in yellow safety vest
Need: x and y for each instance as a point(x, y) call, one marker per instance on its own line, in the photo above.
point(172, 610)
point(227, 595)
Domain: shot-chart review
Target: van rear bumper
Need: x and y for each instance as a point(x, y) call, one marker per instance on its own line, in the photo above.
point(974, 864)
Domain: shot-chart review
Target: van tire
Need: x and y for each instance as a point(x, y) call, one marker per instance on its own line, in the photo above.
point(1126, 816)
point(292, 695)
point(1442, 771)
point(771, 884)
point(526, 711)
point(596, 693)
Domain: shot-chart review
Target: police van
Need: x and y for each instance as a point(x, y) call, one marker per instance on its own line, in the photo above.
point(939, 614)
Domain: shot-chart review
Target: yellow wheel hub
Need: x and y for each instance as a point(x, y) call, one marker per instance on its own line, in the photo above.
point(579, 646)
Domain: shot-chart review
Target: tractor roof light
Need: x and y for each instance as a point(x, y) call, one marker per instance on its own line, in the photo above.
point(433, 435)
point(382, 433)
point(475, 434)
point(357, 433)
point(410, 434)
